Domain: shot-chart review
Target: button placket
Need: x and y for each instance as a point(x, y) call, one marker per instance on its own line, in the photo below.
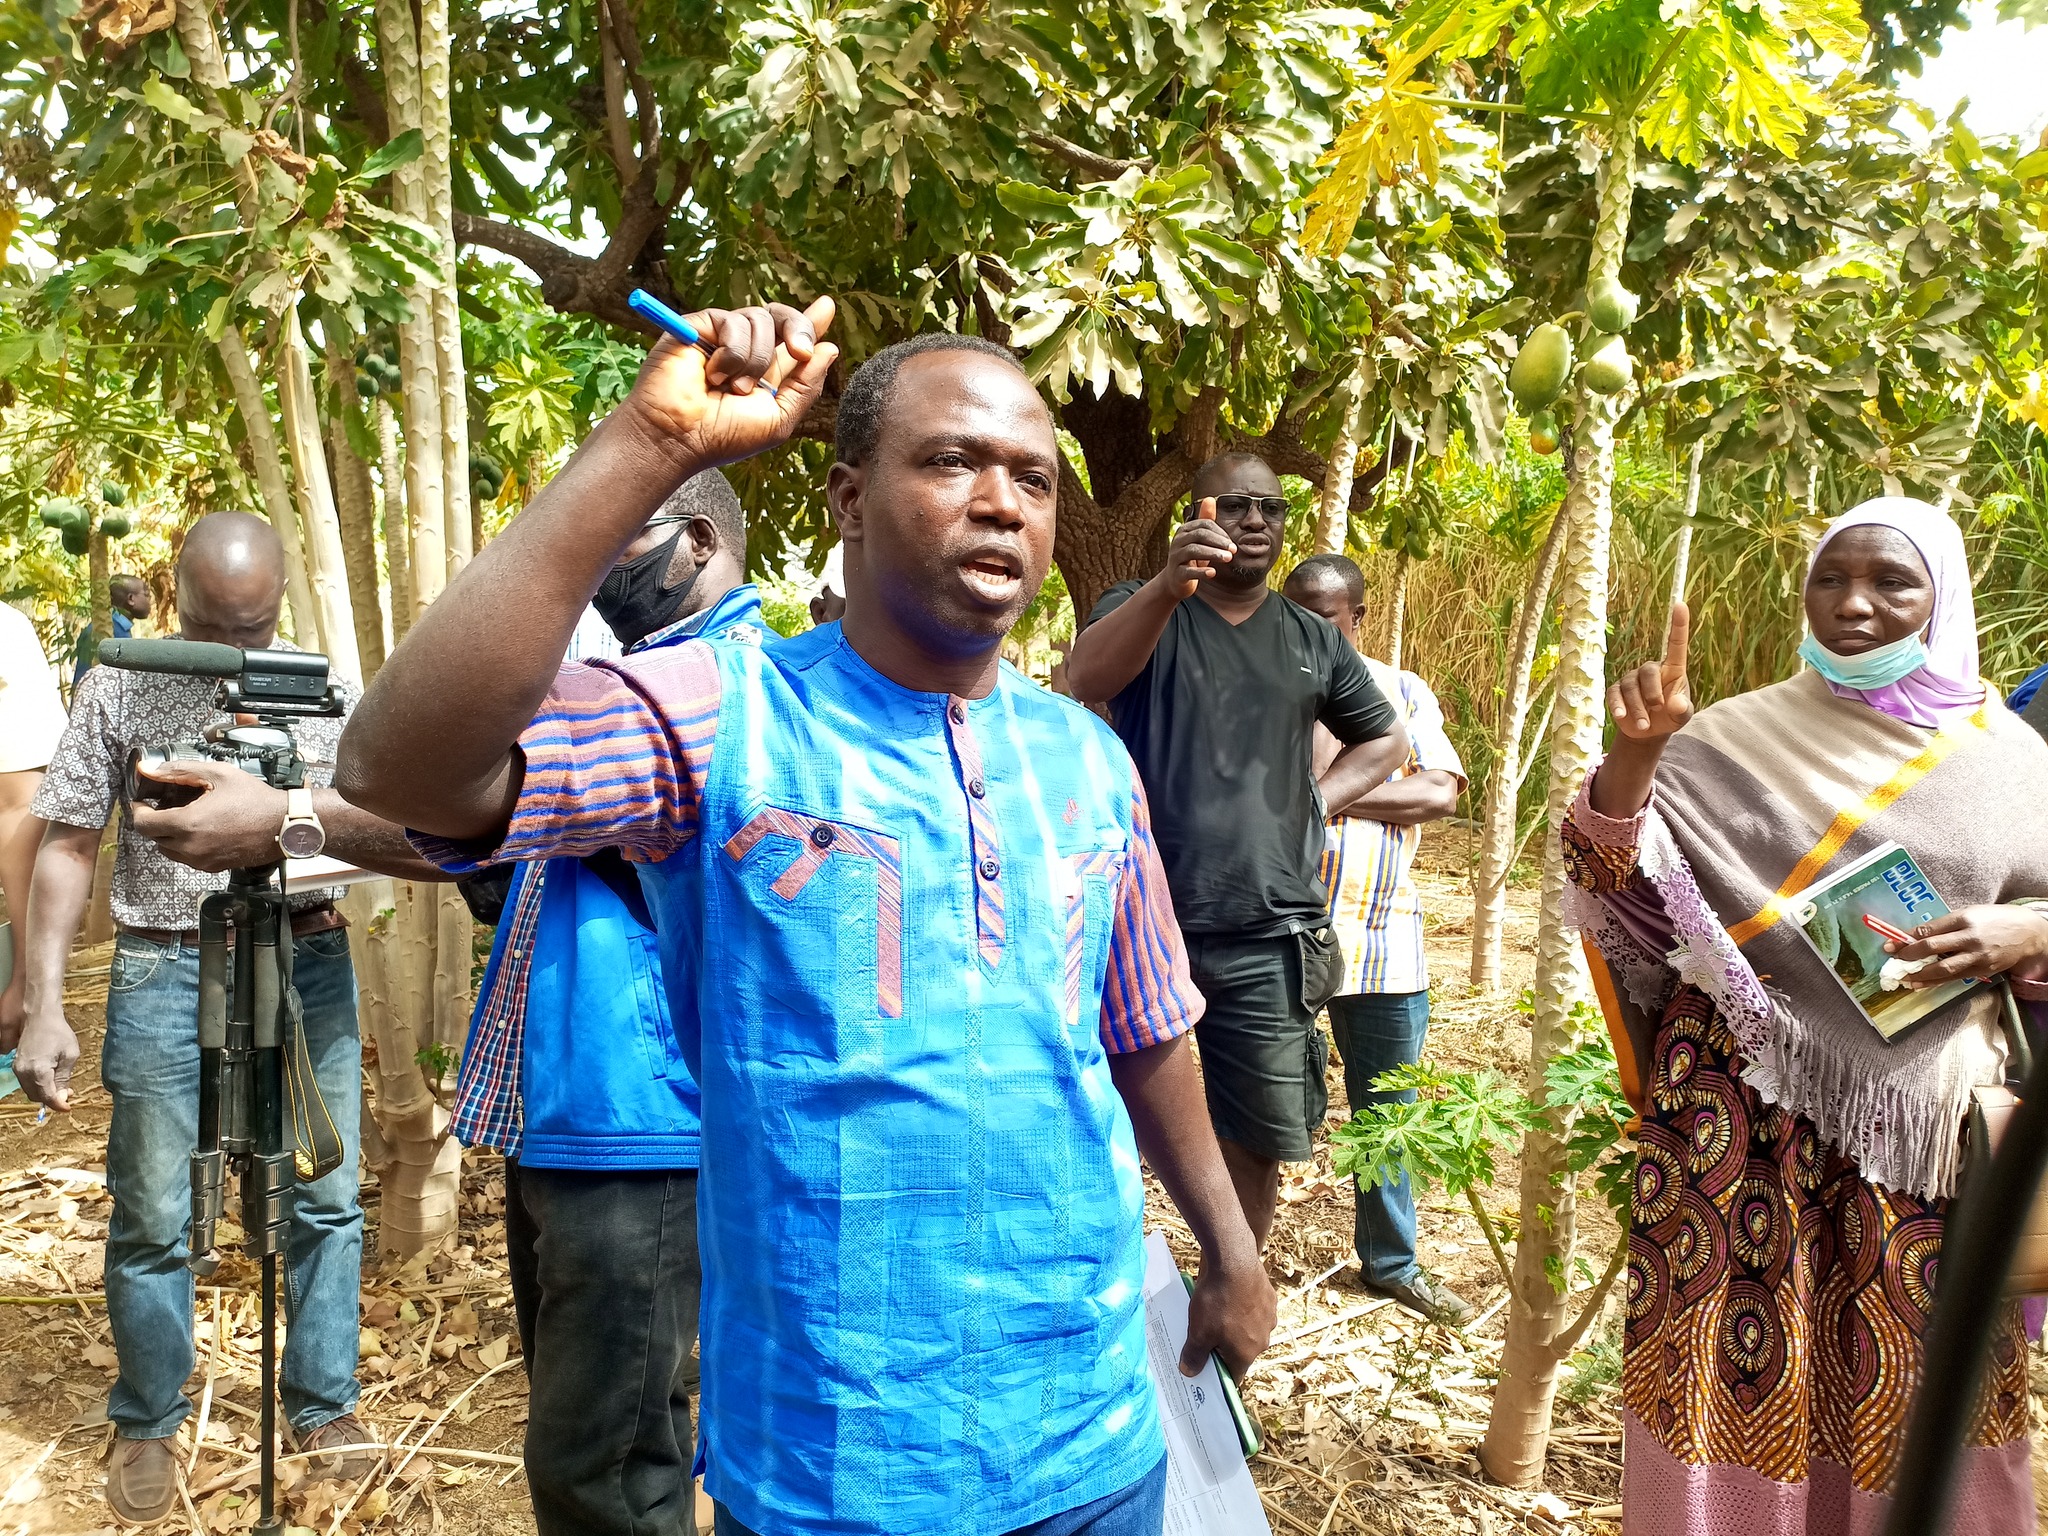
point(984, 841)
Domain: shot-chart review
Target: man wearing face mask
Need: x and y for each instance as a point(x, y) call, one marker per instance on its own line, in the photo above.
point(574, 1073)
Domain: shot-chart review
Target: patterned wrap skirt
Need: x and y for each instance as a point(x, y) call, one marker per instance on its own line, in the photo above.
point(1778, 1304)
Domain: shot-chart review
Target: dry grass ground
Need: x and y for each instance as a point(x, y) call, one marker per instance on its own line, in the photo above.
point(1370, 1415)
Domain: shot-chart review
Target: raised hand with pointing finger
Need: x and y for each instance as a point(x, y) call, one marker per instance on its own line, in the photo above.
point(1650, 704)
point(1654, 700)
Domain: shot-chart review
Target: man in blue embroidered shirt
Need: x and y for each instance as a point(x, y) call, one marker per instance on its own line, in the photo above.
point(916, 936)
point(574, 1073)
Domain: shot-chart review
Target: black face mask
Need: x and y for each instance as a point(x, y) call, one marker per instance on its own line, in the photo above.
point(633, 600)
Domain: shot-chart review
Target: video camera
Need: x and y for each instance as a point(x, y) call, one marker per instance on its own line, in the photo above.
point(276, 687)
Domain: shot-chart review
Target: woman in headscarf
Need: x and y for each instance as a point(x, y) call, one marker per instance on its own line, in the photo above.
point(1795, 1169)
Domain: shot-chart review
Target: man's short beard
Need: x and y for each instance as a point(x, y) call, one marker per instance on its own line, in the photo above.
point(1241, 578)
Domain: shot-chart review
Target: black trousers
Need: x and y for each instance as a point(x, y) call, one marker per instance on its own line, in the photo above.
point(605, 1281)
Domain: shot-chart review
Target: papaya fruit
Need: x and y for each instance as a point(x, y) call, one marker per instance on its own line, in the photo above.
point(1609, 369)
point(62, 512)
point(113, 493)
point(75, 541)
point(368, 387)
point(1611, 307)
point(1543, 433)
point(115, 526)
point(1541, 367)
point(1418, 543)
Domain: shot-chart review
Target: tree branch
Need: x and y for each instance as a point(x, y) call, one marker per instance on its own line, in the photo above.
point(1500, 1254)
point(618, 134)
point(569, 282)
point(1086, 161)
point(625, 33)
point(1568, 1341)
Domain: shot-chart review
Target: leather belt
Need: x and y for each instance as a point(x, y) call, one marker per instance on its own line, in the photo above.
point(305, 923)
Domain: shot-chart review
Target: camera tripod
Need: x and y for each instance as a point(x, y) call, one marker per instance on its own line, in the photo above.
point(245, 978)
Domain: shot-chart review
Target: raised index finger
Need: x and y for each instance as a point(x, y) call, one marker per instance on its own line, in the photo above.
point(1676, 641)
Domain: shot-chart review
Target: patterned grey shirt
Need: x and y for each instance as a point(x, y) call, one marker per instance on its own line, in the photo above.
point(114, 711)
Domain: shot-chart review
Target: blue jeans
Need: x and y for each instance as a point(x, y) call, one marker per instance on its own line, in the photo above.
point(1376, 1032)
point(150, 1064)
point(1139, 1510)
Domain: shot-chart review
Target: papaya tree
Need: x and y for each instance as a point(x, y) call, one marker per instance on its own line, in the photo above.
point(1676, 78)
point(217, 226)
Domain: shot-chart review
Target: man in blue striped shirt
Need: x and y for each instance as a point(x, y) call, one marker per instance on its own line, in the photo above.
point(574, 1072)
point(916, 938)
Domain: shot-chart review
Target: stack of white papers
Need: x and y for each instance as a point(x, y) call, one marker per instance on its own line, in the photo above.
point(1209, 1490)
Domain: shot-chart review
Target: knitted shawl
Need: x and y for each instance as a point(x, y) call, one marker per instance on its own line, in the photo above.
point(1759, 797)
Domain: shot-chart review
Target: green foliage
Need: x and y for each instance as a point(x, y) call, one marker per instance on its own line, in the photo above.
point(434, 1061)
point(1450, 1131)
point(1446, 1135)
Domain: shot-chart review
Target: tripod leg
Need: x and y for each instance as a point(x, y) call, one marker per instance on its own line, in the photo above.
point(208, 1163)
point(267, 1522)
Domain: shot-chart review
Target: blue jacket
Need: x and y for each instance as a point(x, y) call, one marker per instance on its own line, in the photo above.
point(602, 1078)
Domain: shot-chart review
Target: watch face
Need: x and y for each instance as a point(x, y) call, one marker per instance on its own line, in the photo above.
point(302, 839)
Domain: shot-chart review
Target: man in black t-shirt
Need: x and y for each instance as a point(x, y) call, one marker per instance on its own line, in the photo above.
point(1217, 700)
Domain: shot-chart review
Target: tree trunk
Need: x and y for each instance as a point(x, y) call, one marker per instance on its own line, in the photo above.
point(1504, 783)
point(406, 1140)
point(277, 497)
point(1518, 1436)
point(1333, 507)
point(1397, 610)
point(353, 504)
point(435, 97)
point(453, 936)
point(319, 523)
point(99, 570)
point(418, 350)
point(1681, 563)
point(421, 1179)
point(397, 535)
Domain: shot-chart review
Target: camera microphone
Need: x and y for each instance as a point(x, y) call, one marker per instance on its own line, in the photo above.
point(259, 682)
point(181, 658)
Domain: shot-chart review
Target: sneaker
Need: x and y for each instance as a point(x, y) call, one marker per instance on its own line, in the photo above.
point(142, 1482)
point(343, 1466)
point(1425, 1295)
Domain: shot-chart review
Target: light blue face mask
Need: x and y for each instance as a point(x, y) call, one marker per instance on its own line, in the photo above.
point(1878, 668)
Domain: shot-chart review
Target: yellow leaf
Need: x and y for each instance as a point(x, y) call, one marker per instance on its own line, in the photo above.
point(1398, 133)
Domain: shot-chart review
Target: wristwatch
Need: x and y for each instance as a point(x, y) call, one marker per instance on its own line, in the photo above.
point(301, 836)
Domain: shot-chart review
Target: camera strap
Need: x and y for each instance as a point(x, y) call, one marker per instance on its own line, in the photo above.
point(315, 1139)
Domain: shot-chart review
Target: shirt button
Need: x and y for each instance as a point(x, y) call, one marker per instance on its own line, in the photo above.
point(824, 835)
point(959, 713)
point(976, 788)
point(990, 869)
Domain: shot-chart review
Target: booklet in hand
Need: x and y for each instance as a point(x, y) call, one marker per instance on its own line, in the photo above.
point(1848, 917)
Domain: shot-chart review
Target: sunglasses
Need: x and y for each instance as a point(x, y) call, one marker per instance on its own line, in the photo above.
point(1233, 508)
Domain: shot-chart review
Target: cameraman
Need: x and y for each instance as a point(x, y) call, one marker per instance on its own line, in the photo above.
point(230, 588)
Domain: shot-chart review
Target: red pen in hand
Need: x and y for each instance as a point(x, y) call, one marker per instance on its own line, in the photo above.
point(1879, 926)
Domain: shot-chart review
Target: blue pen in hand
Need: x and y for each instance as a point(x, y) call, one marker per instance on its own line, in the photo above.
point(648, 307)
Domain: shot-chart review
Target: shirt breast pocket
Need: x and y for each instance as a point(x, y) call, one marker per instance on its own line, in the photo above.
point(825, 900)
point(1093, 880)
